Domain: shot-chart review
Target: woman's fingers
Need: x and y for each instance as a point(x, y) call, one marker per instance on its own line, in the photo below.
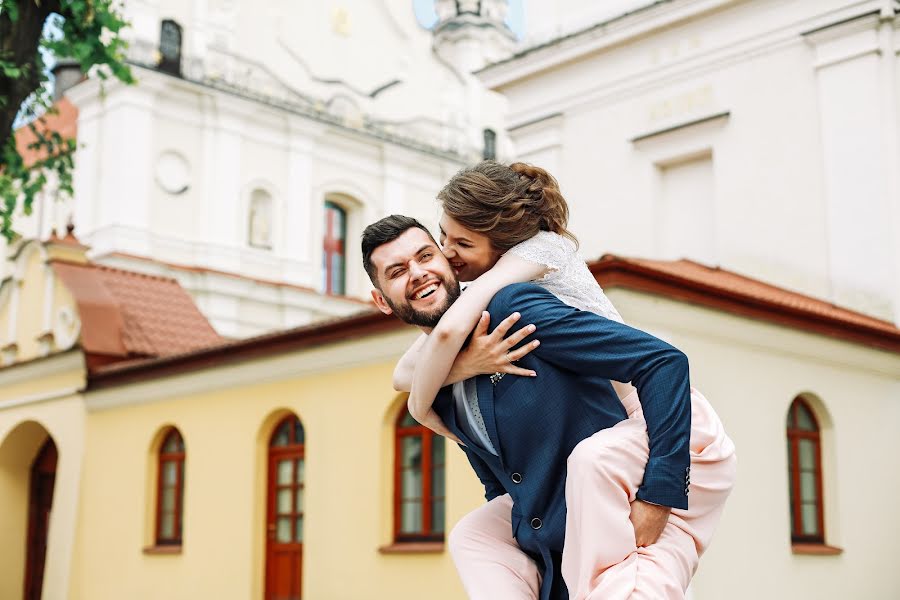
point(519, 335)
point(514, 355)
point(512, 369)
point(501, 329)
point(481, 328)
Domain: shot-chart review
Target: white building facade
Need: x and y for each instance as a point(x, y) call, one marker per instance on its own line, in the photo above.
point(258, 143)
point(760, 136)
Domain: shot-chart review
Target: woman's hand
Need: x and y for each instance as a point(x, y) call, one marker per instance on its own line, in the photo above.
point(489, 353)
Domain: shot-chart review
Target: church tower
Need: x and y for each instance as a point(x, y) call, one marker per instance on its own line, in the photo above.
point(470, 34)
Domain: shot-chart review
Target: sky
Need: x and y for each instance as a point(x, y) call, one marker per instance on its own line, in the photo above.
point(515, 18)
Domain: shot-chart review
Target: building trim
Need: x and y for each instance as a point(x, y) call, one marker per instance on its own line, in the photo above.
point(369, 130)
point(42, 366)
point(610, 272)
point(676, 127)
point(534, 121)
point(613, 272)
point(293, 340)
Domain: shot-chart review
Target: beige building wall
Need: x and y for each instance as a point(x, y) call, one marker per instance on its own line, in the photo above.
point(38, 400)
point(751, 371)
point(104, 503)
point(226, 417)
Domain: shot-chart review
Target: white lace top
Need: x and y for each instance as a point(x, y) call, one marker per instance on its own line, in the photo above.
point(569, 278)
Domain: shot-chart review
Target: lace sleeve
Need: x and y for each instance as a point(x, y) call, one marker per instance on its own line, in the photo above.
point(546, 248)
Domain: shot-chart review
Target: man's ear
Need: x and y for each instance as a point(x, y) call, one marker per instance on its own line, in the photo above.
point(381, 303)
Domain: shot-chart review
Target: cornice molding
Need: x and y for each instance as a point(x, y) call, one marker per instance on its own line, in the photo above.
point(166, 381)
point(41, 367)
point(576, 45)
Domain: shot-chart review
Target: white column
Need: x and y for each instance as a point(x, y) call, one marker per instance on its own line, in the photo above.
point(295, 226)
point(889, 45)
point(854, 119)
point(118, 158)
point(86, 176)
point(223, 187)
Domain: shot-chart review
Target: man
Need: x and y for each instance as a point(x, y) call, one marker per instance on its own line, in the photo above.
point(572, 482)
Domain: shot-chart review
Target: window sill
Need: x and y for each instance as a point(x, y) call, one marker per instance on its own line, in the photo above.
point(162, 549)
point(816, 549)
point(413, 548)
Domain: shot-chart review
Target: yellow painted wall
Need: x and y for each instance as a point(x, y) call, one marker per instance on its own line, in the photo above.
point(751, 371)
point(23, 430)
point(347, 417)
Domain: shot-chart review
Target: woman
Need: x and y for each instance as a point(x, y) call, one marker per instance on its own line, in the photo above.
point(506, 224)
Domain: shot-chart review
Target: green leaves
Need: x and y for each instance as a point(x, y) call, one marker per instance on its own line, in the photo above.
point(84, 30)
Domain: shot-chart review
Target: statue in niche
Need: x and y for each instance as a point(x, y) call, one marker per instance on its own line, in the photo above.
point(260, 220)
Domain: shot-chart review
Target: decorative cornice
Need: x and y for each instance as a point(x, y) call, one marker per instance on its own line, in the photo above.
point(614, 272)
point(40, 367)
point(292, 340)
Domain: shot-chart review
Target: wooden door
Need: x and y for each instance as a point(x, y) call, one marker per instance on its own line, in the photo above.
point(40, 500)
point(284, 520)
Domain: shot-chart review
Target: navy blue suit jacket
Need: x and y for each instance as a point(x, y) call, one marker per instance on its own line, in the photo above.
point(535, 422)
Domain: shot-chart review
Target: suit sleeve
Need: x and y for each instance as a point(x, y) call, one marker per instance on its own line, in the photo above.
point(587, 344)
point(492, 486)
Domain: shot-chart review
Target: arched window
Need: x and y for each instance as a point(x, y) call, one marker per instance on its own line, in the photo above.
point(170, 34)
point(259, 220)
point(284, 515)
point(490, 145)
point(334, 251)
point(418, 482)
point(805, 474)
point(170, 490)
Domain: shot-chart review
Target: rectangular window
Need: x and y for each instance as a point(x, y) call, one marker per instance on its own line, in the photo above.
point(686, 212)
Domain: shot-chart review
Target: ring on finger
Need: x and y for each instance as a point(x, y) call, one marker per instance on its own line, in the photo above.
point(508, 359)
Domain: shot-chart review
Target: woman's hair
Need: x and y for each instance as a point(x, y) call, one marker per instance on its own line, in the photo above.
point(508, 204)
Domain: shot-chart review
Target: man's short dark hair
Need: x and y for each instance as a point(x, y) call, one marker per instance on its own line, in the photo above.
point(381, 232)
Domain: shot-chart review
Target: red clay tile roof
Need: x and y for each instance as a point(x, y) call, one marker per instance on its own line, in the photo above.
point(680, 280)
point(126, 315)
point(65, 121)
point(731, 292)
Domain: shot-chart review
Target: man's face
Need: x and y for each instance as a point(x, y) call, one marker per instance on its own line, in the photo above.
point(416, 281)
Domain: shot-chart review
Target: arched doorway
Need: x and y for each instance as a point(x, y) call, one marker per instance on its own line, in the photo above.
point(284, 513)
point(40, 501)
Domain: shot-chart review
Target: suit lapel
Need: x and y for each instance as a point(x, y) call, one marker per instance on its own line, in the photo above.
point(445, 406)
point(485, 390)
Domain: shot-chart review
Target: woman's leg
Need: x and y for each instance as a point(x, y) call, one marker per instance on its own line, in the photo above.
point(488, 559)
point(600, 559)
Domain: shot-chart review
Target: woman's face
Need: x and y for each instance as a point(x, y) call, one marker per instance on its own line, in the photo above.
point(470, 253)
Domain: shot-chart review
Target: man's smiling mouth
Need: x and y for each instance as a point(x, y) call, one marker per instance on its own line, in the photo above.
point(426, 291)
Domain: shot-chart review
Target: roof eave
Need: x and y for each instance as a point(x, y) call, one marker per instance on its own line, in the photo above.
point(612, 272)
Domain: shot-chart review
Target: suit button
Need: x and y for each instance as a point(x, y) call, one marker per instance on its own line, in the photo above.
point(536, 523)
point(516, 477)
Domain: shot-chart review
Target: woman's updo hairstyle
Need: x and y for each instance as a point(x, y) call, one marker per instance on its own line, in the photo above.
point(508, 204)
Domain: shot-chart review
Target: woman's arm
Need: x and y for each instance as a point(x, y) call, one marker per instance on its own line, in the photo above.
point(485, 354)
point(443, 344)
point(406, 366)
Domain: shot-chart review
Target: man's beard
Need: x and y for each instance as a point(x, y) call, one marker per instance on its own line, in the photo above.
point(406, 313)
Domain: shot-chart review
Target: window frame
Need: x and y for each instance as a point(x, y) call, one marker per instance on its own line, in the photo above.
point(794, 435)
point(327, 253)
point(163, 458)
point(426, 497)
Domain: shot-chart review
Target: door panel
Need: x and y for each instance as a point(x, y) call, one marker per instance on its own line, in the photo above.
point(40, 501)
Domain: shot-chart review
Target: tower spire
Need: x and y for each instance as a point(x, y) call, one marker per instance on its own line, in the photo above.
point(470, 34)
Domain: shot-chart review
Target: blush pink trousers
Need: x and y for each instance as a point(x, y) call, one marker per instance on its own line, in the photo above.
point(600, 559)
